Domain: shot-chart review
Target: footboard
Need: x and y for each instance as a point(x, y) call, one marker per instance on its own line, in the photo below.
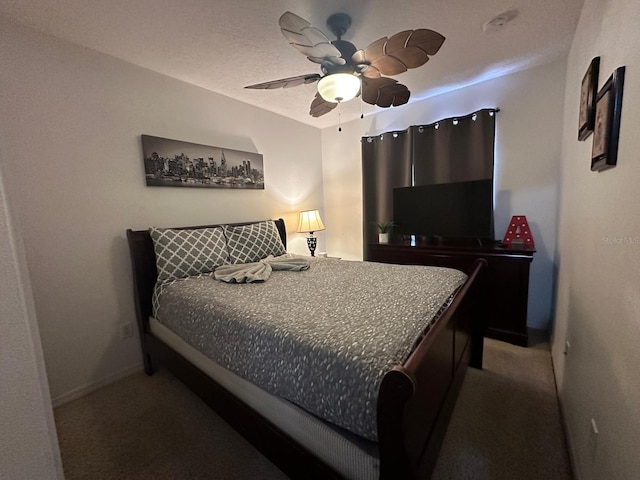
point(416, 399)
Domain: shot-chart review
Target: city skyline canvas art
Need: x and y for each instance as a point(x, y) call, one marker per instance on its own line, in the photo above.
point(174, 163)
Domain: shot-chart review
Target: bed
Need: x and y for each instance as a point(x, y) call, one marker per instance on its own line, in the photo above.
point(391, 428)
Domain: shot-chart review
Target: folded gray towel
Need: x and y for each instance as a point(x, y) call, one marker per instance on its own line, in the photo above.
point(259, 271)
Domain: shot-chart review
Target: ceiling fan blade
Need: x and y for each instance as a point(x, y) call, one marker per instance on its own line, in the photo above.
point(320, 50)
point(358, 57)
point(375, 50)
point(371, 88)
point(292, 22)
point(287, 82)
point(306, 37)
point(376, 55)
point(399, 92)
point(389, 65)
point(331, 60)
point(370, 71)
point(294, 37)
point(320, 106)
point(363, 66)
point(426, 40)
point(315, 36)
point(397, 41)
point(384, 92)
point(404, 50)
point(411, 56)
point(308, 40)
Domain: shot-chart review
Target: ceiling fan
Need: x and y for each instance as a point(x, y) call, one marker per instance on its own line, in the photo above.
point(348, 72)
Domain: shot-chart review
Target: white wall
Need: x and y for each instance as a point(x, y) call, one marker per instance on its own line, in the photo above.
point(28, 439)
point(528, 135)
point(70, 130)
point(598, 299)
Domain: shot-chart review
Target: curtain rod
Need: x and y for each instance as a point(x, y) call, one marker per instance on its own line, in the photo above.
point(460, 117)
point(397, 132)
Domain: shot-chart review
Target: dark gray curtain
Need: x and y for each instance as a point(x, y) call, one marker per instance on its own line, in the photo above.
point(454, 149)
point(450, 150)
point(386, 164)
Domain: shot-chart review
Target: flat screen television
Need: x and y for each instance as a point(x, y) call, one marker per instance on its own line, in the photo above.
point(460, 210)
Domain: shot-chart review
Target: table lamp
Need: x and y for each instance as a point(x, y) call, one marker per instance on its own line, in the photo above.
point(310, 221)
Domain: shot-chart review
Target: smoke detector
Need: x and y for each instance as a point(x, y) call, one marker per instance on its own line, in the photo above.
point(499, 21)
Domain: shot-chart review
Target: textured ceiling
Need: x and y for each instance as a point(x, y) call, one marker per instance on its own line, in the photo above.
point(225, 45)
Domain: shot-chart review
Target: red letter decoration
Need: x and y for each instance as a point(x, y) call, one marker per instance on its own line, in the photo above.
point(518, 232)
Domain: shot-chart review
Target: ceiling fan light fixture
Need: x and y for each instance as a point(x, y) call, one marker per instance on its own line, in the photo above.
point(339, 87)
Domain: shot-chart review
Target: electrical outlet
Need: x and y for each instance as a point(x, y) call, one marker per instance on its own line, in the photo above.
point(126, 330)
point(567, 347)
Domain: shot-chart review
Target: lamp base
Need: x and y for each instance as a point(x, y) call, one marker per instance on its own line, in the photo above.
point(311, 243)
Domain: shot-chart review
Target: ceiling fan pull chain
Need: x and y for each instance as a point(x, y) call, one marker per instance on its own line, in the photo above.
point(361, 101)
point(339, 118)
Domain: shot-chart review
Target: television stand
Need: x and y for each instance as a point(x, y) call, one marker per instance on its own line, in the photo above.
point(506, 278)
point(444, 241)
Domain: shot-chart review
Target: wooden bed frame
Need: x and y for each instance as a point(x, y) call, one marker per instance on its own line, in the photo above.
point(415, 399)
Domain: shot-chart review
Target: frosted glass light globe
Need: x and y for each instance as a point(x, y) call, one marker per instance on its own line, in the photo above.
point(339, 87)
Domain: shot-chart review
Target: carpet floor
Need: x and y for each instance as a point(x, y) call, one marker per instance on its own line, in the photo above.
point(505, 426)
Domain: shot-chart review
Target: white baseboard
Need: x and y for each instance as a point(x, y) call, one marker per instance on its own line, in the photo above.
point(92, 387)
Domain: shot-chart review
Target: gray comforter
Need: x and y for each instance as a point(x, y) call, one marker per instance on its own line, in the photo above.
point(322, 338)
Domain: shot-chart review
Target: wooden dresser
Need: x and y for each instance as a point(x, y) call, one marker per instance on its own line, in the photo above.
point(506, 279)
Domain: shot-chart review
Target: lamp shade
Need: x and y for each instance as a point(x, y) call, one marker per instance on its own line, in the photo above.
point(310, 221)
point(338, 87)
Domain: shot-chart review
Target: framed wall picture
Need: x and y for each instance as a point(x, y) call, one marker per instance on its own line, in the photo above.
point(588, 92)
point(607, 122)
point(173, 163)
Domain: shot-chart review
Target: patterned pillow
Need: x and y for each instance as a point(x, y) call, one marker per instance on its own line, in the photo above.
point(252, 243)
point(181, 253)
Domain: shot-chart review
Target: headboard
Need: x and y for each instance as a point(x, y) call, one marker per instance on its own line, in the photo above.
point(143, 262)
